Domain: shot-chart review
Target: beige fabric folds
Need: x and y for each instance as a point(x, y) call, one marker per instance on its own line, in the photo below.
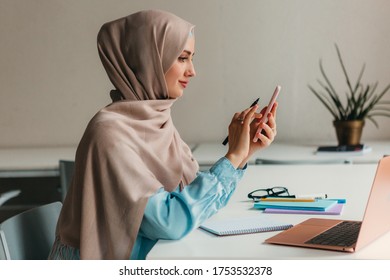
point(131, 148)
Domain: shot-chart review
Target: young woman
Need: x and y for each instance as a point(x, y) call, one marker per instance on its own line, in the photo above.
point(135, 180)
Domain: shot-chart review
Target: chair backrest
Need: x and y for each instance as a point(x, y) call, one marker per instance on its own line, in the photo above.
point(30, 234)
point(66, 174)
point(4, 197)
point(3, 252)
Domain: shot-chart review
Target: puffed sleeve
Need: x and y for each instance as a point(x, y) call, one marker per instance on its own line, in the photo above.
point(172, 215)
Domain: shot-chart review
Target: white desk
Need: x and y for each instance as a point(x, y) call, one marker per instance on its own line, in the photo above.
point(208, 153)
point(349, 181)
point(33, 162)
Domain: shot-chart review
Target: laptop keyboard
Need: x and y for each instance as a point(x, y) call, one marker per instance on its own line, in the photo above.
point(343, 234)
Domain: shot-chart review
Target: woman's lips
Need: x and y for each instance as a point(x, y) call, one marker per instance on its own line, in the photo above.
point(183, 83)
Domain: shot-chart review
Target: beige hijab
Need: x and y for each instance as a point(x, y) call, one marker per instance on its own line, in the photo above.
point(131, 148)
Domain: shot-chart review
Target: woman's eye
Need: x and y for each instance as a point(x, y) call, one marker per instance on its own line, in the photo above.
point(183, 58)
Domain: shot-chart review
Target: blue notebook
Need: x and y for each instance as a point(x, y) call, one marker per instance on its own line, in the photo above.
point(333, 210)
point(318, 205)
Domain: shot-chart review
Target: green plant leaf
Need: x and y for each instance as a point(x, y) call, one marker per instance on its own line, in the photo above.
point(344, 71)
point(361, 101)
point(359, 77)
point(380, 109)
point(334, 101)
point(327, 80)
point(363, 98)
point(382, 93)
point(373, 121)
point(324, 101)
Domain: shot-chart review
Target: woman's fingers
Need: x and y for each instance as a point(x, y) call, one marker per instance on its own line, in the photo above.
point(272, 123)
point(269, 131)
point(274, 109)
point(244, 114)
point(249, 114)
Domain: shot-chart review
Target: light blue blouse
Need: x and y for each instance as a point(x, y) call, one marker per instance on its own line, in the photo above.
point(172, 215)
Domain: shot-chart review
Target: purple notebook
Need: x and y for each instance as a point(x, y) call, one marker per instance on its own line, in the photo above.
point(333, 210)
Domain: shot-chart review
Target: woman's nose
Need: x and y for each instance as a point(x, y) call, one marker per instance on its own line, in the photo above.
point(191, 70)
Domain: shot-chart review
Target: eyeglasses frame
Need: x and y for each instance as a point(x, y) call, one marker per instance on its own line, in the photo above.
point(271, 193)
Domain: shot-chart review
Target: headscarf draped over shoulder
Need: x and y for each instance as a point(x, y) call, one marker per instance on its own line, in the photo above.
point(131, 148)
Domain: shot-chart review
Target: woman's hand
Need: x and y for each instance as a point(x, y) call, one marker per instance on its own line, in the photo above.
point(242, 130)
point(239, 135)
point(266, 136)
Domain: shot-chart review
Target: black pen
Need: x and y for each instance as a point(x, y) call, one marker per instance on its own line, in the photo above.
point(227, 137)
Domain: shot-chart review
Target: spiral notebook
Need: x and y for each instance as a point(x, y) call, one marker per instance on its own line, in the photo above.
point(244, 225)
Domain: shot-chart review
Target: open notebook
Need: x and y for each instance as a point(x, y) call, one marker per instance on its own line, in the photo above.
point(243, 225)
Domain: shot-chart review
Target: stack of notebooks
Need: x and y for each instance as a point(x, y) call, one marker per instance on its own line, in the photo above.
point(262, 223)
point(318, 206)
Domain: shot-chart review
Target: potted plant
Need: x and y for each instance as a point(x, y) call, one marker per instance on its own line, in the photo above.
point(351, 109)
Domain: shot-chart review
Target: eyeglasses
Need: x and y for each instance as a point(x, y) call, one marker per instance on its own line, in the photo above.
point(270, 192)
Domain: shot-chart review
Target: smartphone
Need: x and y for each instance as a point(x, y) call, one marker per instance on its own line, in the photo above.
point(264, 118)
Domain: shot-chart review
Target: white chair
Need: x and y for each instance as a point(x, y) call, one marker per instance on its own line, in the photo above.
point(3, 254)
point(30, 234)
point(4, 197)
point(66, 174)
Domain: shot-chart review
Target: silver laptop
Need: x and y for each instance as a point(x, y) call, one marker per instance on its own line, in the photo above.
point(341, 235)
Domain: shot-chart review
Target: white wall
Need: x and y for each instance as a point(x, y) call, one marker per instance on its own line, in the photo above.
point(52, 81)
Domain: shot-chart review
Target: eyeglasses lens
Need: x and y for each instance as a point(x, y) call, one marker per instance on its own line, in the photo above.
point(279, 191)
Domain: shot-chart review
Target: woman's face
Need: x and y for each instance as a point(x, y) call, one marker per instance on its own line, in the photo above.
point(178, 76)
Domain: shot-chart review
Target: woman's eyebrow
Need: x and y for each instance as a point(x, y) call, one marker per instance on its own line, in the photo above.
point(189, 52)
